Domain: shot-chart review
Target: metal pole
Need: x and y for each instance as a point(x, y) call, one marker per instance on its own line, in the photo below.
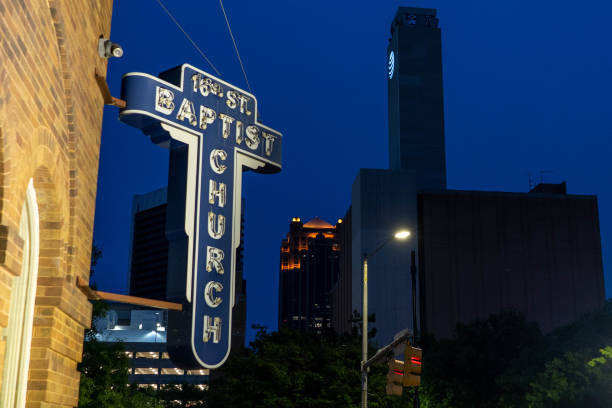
point(364, 335)
point(414, 302)
point(414, 316)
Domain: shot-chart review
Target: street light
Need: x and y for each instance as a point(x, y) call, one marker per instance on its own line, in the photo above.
point(400, 235)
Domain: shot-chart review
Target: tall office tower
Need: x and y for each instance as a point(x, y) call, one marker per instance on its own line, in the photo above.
point(149, 247)
point(308, 271)
point(148, 263)
point(477, 252)
point(416, 105)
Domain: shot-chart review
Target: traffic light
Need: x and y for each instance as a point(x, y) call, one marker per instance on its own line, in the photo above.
point(395, 377)
point(412, 366)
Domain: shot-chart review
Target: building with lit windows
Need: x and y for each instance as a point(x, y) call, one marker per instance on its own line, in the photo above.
point(309, 258)
point(143, 332)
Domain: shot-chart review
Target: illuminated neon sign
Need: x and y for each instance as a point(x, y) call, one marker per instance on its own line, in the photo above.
point(211, 128)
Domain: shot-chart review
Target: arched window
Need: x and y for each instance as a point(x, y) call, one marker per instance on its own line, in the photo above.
point(21, 314)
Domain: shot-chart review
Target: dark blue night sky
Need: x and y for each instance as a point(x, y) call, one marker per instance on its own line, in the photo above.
point(526, 85)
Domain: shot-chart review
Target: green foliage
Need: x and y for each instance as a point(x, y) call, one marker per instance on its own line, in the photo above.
point(463, 372)
point(182, 396)
point(574, 380)
point(297, 369)
point(104, 375)
point(505, 362)
point(578, 372)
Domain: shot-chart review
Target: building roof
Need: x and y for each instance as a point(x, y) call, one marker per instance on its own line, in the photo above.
point(316, 222)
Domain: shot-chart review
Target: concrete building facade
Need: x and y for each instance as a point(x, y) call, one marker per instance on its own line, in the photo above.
point(383, 202)
point(50, 123)
point(340, 295)
point(483, 252)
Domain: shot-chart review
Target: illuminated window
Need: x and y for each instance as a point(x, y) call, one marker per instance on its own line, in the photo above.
point(165, 355)
point(18, 333)
point(197, 372)
point(145, 371)
point(154, 386)
point(147, 354)
point(172, 371)
point(129, 354)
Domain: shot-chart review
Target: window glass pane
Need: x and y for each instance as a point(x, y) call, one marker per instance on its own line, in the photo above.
point(197, 372)
point(172, 371)
point(147, 354)
point(154, 386)
point(148, 371)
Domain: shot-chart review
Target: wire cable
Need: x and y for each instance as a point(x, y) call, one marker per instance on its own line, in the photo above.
point(235, 46)
point(189, 38)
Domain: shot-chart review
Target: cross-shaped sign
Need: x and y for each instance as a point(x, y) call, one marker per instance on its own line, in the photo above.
point(213, 133)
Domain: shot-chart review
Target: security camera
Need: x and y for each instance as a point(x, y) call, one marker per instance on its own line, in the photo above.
point(107, 48)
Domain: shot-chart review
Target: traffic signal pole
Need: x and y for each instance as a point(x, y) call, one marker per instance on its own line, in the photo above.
point(409, 370)
point(364, 336)
point(414, 315)
point(402, 234)
point(384, 352)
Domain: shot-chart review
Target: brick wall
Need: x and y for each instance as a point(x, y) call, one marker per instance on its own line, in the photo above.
point(50, 123)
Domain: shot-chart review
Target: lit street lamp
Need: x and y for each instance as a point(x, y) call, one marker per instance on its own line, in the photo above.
point(400, 235)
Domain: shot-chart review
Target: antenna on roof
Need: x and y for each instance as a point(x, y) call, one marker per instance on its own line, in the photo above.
point(542, 175)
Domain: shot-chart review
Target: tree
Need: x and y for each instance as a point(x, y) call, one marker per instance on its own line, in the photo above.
point(182, 396)
point(504, 361)
point(104, 368)
point(578, 371)
point(465, 371)
point(297, 369)
point(574, 380)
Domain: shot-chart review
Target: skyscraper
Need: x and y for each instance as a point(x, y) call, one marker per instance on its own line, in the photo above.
point(478, 252)
point(308, 270)
point(416, 105)
point(148, 265)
